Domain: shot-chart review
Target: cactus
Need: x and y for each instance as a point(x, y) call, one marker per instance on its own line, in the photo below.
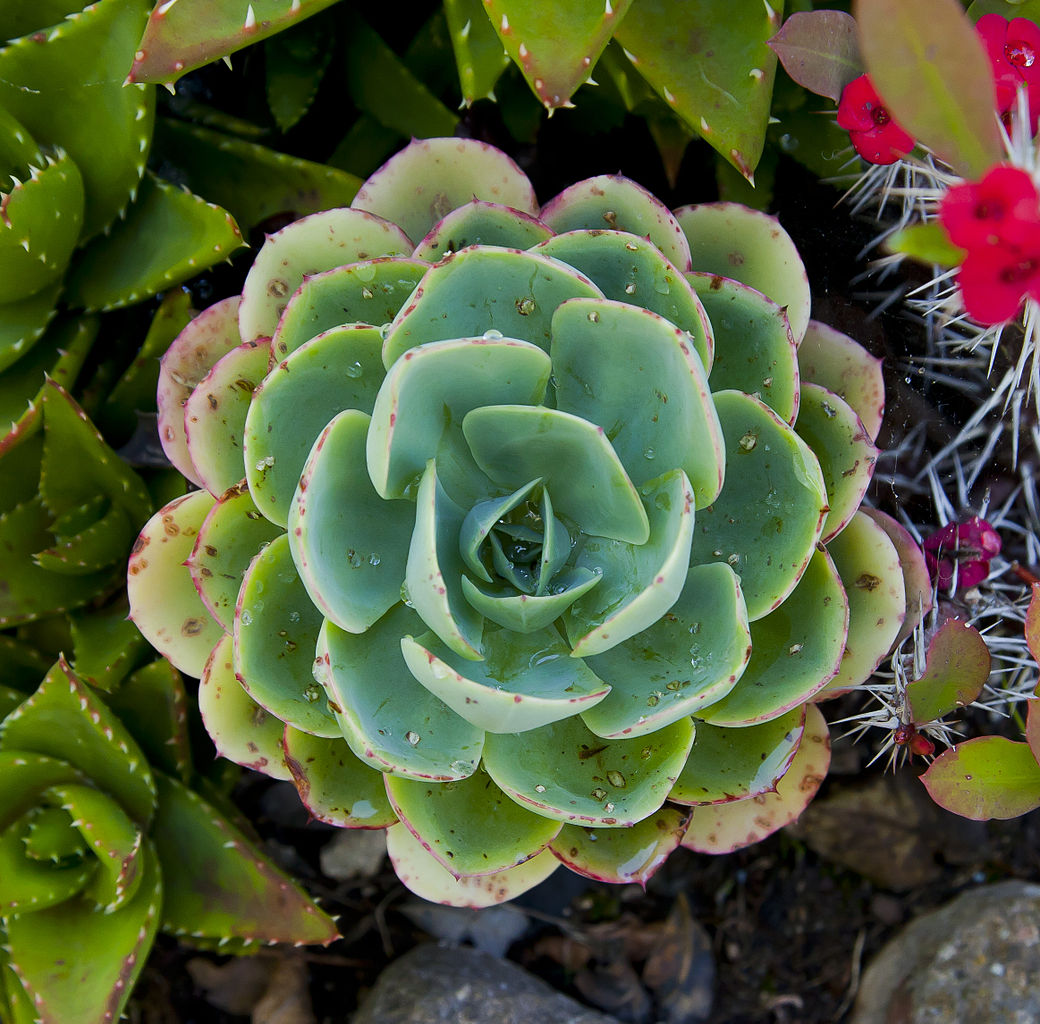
point(523, 532)
point(102, 850)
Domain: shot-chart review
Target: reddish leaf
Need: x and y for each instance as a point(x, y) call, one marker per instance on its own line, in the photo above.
point(1033, 729)
point(956, 668)
point(934, 76)
point(1033, 623)
point(819, 50)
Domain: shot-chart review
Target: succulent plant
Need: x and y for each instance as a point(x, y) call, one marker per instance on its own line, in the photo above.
point(104, 842)
point(527, 533)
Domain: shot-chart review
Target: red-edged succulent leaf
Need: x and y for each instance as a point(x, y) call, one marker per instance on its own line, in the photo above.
point(819, 50)
point(956, 668)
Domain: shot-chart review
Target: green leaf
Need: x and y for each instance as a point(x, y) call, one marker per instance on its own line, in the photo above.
point(986, 777)
point(956, 669)
point(478, 50)
point(295, 63)
point(819, 50)
point(928, 243)
point(107, 645)
point(22, 323)
point(932, 71)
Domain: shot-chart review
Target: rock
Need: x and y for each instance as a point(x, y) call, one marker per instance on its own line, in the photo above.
point(440, 985)
point(354, 853)
point(975, 959)
point(490, 929)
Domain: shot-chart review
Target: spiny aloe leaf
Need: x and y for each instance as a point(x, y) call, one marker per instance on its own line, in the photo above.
point(107, 645)
point(192, 354)
point(847, 455)
point(421, 872)
point(276, 628)
point(481, 223)
point(956, 669)
point(986, 777)
point(338, 517)
point(67, 89)
point(452, 172)
point(22, 323)
point(294, 64)
point(754, 347)
point(161, 593)
point(22, 665)
point(868, 564)
point(64, 719)
point(306, 247)
point(767, 520)
point(182, 35)
point(81, 965)
point(334, 784)
point(451, 820)
point(621, 855)
point(725, 827)
point(14, 1001)
point(726, 97)
point(218, 885)
point(932, 72)
point(215, 415)
point(819, 50)
point(486, 289)
point(751, 247)
point(389, 719)
point(88, 547)
point(436, 385)
point(917, 581)
point(733, 764)
point(370, 293)
point(115, 270)
point(795, 650)
point(251, 182)
point(525, 680)
point(636, 375)
point(555, 47)
point(566, 772)
point(833, 360)
point(241, 729)
point(689, 658)
point(35, 245)
point(617, 203)
point(29, 884)
point(478, 51)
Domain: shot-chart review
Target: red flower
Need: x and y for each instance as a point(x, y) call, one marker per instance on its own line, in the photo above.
point(1014, 51)
point(1004, 207)
point(996, 279)
point(873, 133)
point(971, 545)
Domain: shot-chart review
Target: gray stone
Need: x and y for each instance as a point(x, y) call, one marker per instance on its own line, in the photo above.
point(440, 985)
point(975, 959)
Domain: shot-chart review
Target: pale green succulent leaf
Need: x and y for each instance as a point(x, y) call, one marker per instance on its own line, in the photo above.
point(276, 629)
point(424, 875)
point(391, 721)
point(219, 885)
point(732, 764)
point(566, 772)
point(434, 570)
point(640, 582)
point(769, 516)
point(335, 785)
point(795, 650)
point(349, 545)
point(631, 269)
point(479, 522)
point(470, 826)
point(490, 292)
point(452, 172)
point(636, 375)
point(311, 245)
point(371, 292)
point(621, 855)
point(530, 613)
point(525, 681)
point(754, 347)
point(847, 456)
point(751, 247)
point(615, 203)
point(339, 369)
point(689, 658)
point(164, 604)
point(435, 386)
point(215, 415)
point(481, 223)
point(578, 466)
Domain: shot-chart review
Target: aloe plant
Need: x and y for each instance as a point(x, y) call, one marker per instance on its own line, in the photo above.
point(104, 842)
point(528, 533)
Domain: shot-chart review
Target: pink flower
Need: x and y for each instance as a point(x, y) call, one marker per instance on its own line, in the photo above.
point(996, 279)
point(969, 545)
point(1014, 51)
point(1004, 207)
point(873, 133)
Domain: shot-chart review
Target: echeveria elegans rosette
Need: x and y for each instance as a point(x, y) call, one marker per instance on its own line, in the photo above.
point(533, 500)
